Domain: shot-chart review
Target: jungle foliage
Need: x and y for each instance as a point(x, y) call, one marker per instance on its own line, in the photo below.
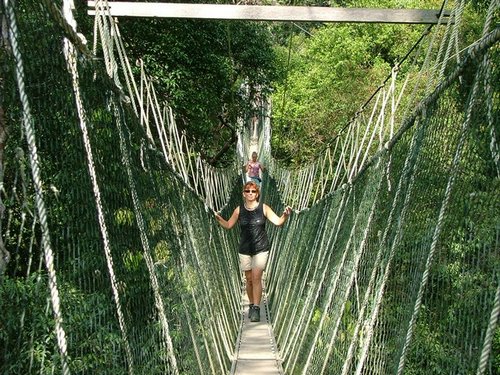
point(317, 75)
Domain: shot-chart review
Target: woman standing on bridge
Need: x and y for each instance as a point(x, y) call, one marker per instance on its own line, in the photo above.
point(254, 169)
point(254, 243)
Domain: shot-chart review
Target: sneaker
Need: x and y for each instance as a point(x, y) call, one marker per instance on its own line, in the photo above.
point(255, 314)
point(250, 308)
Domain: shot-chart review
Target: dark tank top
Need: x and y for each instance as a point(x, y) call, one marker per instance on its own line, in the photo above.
point(253, 237)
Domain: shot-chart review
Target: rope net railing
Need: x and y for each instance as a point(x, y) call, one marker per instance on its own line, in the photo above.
point(393, 268)
point(113, 263)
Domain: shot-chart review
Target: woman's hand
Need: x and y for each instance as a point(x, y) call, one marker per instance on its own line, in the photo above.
point(232, 220)
point(287, 211)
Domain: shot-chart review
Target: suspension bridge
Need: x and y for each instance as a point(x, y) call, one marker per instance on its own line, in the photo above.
point(112, 261)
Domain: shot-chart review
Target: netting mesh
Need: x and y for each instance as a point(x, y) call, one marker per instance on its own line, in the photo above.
point(399, 272)
point(140, 283)
point(112, 262)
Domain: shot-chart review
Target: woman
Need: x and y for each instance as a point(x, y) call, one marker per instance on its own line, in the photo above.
point(254, 243)
point(254, 169)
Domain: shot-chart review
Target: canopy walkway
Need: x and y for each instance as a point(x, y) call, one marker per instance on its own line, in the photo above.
point(256, 350)
point(113, 263)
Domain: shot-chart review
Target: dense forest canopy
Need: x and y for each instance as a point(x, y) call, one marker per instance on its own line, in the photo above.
point(317, 74)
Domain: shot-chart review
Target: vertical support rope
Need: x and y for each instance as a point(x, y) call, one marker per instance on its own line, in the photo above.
point(453, 37)
point(146, 249)
point(316, 264)
point(485, 353)
point(336, 283)
point(340, 215)
point(28, 124)
point(406, 175)
point(72, 68)
point(193, 336)
point(358, 255)
point(495, 312)
point(437, 231)
point(495, 153)
point(107, 39)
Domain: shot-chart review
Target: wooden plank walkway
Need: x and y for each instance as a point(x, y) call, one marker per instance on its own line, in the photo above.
point(256, 350)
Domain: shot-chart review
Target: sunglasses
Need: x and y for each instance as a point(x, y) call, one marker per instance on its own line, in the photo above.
point(251, 191)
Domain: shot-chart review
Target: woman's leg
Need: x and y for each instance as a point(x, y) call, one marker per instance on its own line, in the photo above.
point(249, 286)
point(256, 276)
point(259, 262)
point(246, 266)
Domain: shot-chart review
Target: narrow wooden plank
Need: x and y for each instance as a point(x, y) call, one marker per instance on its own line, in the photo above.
point(270, 13)
point(256, 352)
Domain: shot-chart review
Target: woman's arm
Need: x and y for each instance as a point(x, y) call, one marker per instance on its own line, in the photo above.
point(232, 220)
point(275, 219)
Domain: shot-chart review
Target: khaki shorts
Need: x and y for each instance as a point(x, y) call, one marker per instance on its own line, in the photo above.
point(259, 260)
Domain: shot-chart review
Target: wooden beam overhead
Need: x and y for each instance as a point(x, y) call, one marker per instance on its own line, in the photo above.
point(269, 13)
